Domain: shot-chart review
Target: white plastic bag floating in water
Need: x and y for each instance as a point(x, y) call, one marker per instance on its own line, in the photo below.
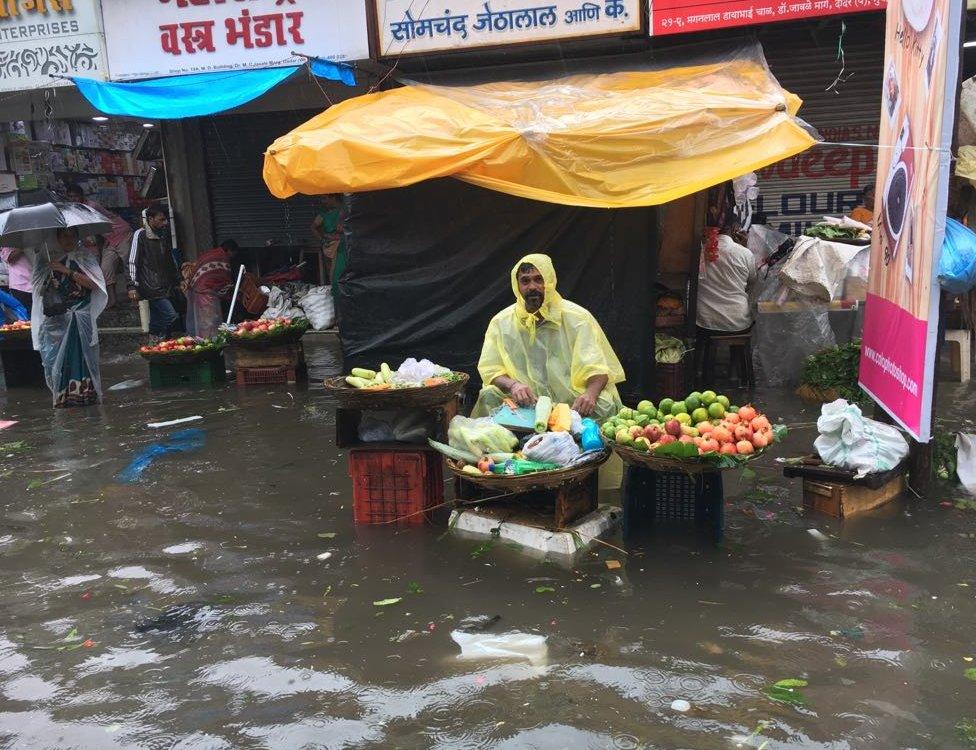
point(966, 461)
point(514, 645)
point(850, 440)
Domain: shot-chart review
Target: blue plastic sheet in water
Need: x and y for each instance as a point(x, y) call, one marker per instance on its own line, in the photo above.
point(12, 304)
point(957, 266)
point(182, 441)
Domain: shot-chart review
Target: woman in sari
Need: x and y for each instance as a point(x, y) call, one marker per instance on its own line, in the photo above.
point(69, 295)
point(210, 281)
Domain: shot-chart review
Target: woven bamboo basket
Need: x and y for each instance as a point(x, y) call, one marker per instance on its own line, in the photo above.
point(542, 480)
point(180, 358)
point(290, 335)
point(395, 398)
point(633, 457)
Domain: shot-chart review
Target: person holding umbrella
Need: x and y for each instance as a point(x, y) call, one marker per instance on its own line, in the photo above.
point(72, 294)
point(68, 294)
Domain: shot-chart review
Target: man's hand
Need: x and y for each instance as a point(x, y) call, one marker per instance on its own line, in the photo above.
point(133, 295)
point(522, 394)
point(584, 404)
point(59, 268)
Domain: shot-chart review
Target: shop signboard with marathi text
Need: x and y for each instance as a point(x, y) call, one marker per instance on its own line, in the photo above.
point(44, 38)
point(683, 16)
point(917, 119)
point(403, 27)
point(158, 38)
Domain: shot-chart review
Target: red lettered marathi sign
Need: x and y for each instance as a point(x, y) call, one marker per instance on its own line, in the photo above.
point(156, 38)
point(683, 16)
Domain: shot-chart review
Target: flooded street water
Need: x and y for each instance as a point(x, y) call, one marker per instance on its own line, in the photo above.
point(281, 645)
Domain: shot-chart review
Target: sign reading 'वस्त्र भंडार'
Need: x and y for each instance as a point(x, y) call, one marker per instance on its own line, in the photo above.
point(159, 38)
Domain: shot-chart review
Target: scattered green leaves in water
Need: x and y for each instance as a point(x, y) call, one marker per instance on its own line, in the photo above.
point(970, 674)
point(388, 602)
point(944, 456)
point(545, 590)
point(484, 548)
point(965, 504)
point(967, 731)
point(787, 691)
point(414, 588)
point(16, 447)
point(326, 535)
point(34, 484)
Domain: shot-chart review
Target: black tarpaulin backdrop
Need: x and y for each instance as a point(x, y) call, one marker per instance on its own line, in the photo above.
point(429, 266)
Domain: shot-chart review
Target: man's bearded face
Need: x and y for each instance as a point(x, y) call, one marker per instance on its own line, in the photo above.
point(532, 287)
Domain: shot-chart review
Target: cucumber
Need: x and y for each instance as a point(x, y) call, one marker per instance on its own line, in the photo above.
point(387, 372)
point(361, 372)
point(357, 382)
point(452, 452)
point(473, 470)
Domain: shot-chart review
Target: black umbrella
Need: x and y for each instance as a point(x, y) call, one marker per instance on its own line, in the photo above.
point(26, 226)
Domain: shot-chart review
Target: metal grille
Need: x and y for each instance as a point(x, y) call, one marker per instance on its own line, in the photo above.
point(241, 205)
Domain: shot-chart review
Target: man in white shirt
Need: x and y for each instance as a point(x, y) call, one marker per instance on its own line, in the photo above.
point(726, 293)
point(726, 287)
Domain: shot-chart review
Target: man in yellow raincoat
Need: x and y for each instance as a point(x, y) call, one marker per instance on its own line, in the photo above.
point(544, 345)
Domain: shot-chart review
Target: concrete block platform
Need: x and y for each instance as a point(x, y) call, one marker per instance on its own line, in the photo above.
point(524, 529)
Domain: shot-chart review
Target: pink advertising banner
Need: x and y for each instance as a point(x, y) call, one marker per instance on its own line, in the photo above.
point(901, 317)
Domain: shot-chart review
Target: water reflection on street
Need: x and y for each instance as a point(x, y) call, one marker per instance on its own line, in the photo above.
point(197, 608)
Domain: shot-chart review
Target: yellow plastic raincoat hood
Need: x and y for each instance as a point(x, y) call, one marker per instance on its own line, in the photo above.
point(554, 352)
point(551, 299)
point(611, 140)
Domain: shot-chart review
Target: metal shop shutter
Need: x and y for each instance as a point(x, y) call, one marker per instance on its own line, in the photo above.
point(825, 179)
point(241, 206)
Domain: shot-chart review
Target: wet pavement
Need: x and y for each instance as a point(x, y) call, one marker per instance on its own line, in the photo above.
point(225, 600)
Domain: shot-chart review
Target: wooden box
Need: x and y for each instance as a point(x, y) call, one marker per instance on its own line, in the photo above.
point(284, 355)
point(845, 500)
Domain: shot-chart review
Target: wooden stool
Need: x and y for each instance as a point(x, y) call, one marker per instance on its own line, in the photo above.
point(740, 358)
point(960, 356)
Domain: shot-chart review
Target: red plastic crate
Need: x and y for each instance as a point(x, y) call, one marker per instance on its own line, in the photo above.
point(395, 484)
point(266, 375)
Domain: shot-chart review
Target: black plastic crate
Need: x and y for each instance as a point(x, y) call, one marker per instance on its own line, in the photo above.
point(651, 498)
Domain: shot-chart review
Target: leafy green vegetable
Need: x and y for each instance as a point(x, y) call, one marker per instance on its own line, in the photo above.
point(836, 369)
point(834, 232)
point(388, 602)
point(545, 590)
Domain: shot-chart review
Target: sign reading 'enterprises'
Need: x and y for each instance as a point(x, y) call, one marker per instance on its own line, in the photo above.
point(405, 27)
point(39, 39)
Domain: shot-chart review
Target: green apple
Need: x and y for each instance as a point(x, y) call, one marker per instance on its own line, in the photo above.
point(646, 407)
point(699, 415)
point(665, 405)
point(724, 401)
point(679, 408)
point(716, 410)
point(708, 397)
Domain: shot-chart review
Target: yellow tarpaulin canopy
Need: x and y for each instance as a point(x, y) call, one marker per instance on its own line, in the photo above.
point(613, 140)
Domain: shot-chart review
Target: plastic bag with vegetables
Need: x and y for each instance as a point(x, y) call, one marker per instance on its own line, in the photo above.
point(480, 436)
point(667, 349)
point(552, 447)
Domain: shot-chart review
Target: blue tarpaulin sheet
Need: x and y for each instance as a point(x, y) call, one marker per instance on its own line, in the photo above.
point(196, 94)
